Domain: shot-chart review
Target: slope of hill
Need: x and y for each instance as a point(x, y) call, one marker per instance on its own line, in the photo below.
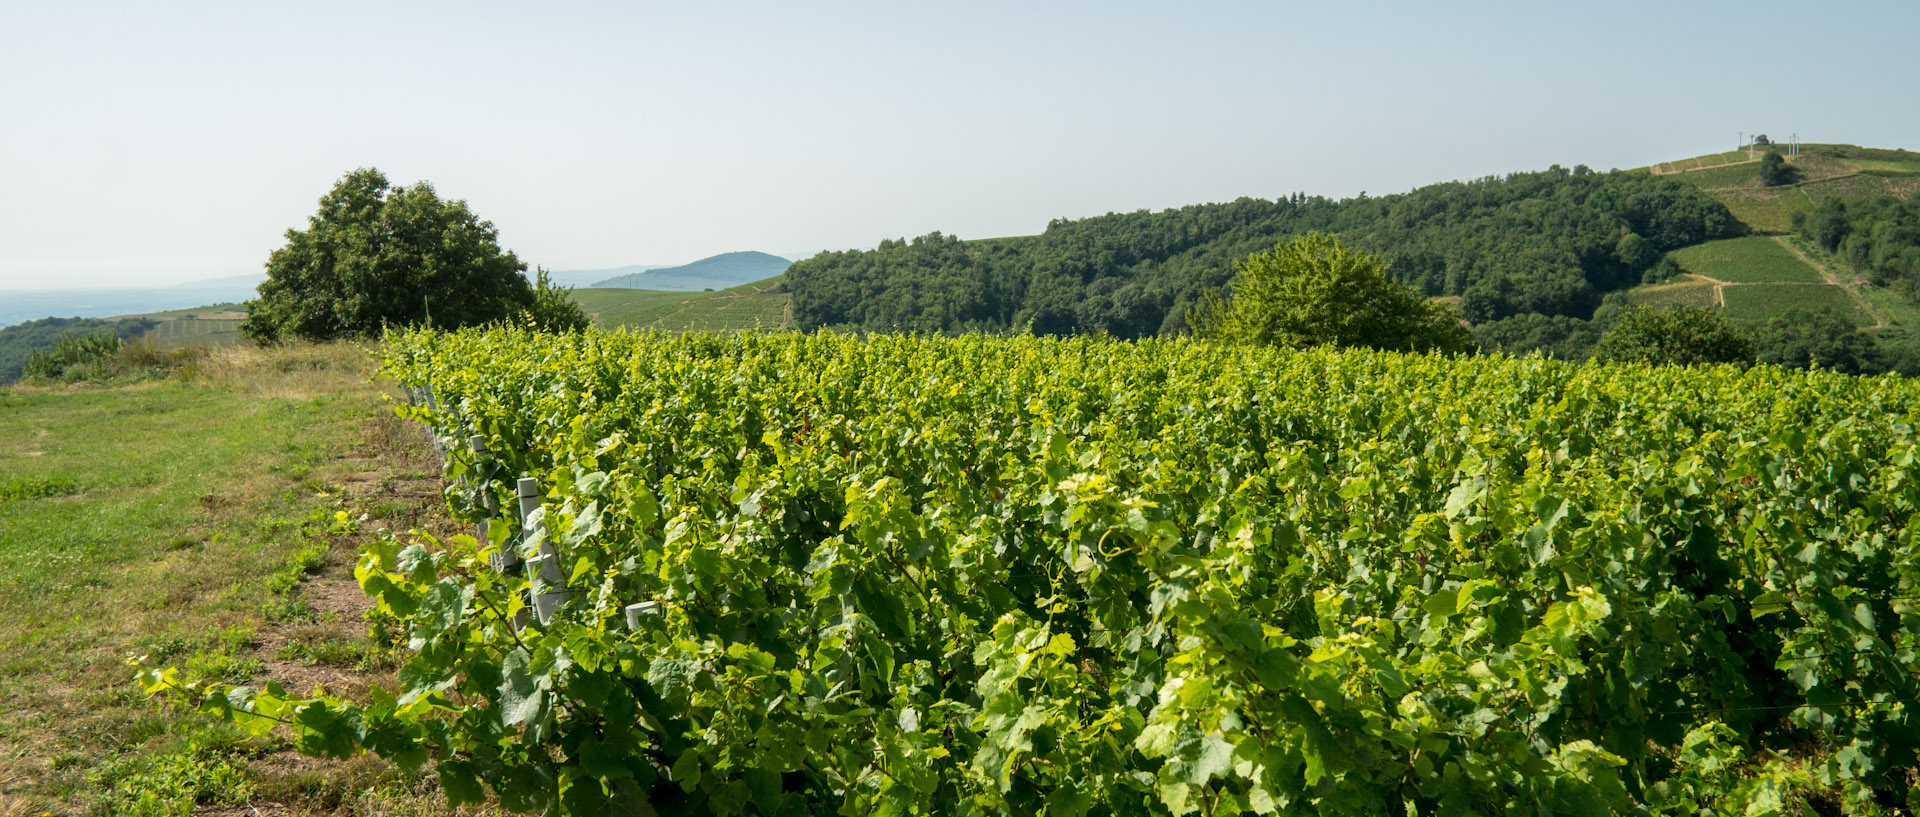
point(1845, 172)
point(716, 272)
point(1551, 242)
point(1805, 257)
point(758, 305)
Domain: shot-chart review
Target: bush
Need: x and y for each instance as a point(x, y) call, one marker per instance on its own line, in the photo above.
point(75, 357)
point(1312, 291)
point(554, 309)
point(1676, 337)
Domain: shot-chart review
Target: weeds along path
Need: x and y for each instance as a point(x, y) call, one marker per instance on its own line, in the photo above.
point(208, 521)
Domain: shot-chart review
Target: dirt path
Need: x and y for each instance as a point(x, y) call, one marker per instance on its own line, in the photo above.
point(1834, 278)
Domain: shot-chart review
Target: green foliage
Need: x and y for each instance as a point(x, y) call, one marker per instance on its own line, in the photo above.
point(1556, 336)
point(19, 342)
point(1549, 242)
point(553, 308)
point(375, 256)
point(75, 357)
point(35, 487)
point(1312, 291)
point(170, 785)
point(1879, 237)
point(1826, 339)
point(1674, 337)
point(1025, 576)
point(1774, 170)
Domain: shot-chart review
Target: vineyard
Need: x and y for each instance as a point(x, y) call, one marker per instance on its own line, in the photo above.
point(824, 574)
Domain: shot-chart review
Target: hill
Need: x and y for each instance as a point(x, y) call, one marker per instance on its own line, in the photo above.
point(1822, 172)
point(1841, 235)
point(588, 277)
point(1552, 242)
point(716, 272)
point(758, 305)
point(1536, 261)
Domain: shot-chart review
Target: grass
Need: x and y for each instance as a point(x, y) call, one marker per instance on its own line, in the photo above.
point(1745, 174)
point(1687, 291)
point(1845, 171)
point(1753, 303)
point(1765, 210)
point(1748, 260)
point(749, 306)
point(187, 519)
point(1902, 167)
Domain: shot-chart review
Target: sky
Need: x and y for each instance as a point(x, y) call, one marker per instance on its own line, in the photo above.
point(146, 144)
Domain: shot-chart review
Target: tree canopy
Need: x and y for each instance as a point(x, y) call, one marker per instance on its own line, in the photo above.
point(1312, 291)
point(1774, 170)
point(375, 255)
point(1678, 337)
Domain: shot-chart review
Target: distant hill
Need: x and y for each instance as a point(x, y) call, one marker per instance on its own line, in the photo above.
point(722, 271)
point(581, 278)
point(1817, 243)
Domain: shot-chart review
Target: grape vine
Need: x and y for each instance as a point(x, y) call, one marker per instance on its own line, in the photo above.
point(899, 576)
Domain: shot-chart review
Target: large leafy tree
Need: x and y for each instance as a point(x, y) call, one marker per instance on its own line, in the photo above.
point(1674, 337)
point(1312, 291)
point(1774, 170)
point(376, 255)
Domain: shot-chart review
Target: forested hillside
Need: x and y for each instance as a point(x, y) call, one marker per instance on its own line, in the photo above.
point(1548, 243)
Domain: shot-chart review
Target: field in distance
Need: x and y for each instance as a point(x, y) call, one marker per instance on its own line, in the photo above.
point(759, 305)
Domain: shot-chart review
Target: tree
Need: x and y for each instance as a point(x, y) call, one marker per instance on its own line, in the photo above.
point(1676, 337)
point(1802, 339)
point(1312, 290)
point(554, 309)
point(375, 255)
point(1774, 170)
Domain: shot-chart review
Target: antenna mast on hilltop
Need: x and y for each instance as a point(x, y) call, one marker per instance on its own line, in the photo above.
point(1793, 145)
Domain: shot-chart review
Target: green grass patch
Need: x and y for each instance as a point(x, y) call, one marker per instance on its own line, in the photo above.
point(36, 487)
point(1746, 174)
point(1765, 210)
point(1752, 259)
point(1685, 292)
point(1759, 302)
point(165, 554)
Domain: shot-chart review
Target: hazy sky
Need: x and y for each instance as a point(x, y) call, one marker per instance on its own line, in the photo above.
point(152, 143)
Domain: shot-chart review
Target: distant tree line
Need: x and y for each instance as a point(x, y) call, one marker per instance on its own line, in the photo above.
point(1550, 243)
